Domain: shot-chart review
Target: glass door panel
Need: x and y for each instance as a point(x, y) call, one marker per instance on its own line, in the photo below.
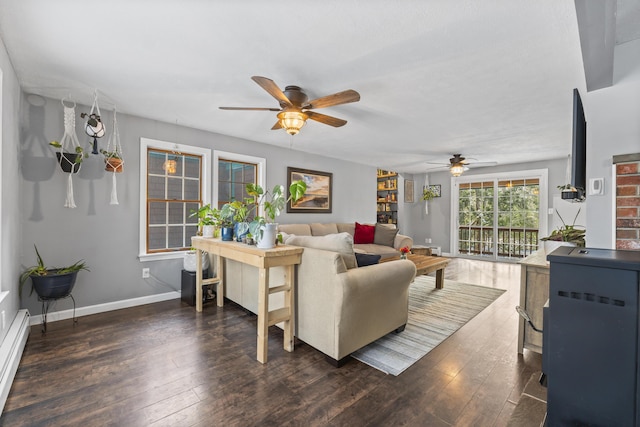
point(498, 218)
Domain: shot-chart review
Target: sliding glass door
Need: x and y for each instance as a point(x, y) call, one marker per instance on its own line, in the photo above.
point(498, 216)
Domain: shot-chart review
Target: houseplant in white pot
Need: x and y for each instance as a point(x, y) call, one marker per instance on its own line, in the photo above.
point(565, 235)
point(263, 228)
point(208, 219)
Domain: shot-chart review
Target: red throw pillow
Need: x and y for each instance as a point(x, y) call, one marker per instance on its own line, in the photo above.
point(364, 233)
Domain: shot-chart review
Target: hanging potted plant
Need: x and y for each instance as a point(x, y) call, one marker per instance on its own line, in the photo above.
point(429, 193)
point(69, 162)
point(112, 161)
point(51, 282)
point(264, 228)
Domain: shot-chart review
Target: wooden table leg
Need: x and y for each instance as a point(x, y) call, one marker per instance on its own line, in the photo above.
point(289, 303)
point(440, 278)
point(198, 280)
point(263, 315)
point(220, 276)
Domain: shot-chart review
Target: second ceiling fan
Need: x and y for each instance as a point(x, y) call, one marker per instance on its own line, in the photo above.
point(295, 107)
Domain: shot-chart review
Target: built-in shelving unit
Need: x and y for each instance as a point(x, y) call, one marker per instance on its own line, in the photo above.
point(387, 197)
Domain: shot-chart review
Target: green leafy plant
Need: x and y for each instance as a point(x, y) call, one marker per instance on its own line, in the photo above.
point(429, 193)
point(78, 150)
point(110, 154)
point(207, 215)
point(272, 202)
point(42, 270)
point(568, 233)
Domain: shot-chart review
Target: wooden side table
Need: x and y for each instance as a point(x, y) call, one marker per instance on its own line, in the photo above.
point(264, 259)
point(534, 293)
point(421, 250)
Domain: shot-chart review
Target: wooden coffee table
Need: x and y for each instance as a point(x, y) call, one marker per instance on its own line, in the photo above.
point(425, 265)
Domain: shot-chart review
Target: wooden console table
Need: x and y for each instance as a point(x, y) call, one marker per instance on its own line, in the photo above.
point(264, 259)
point(534, 293)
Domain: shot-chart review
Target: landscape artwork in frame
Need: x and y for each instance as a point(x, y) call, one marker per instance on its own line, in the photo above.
point(317, 198)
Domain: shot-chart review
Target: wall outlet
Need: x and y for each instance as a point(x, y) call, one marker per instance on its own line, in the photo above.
point(145, 273)
point(427, 240)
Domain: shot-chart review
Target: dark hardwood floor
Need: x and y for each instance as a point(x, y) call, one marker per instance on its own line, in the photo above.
point(164, 365)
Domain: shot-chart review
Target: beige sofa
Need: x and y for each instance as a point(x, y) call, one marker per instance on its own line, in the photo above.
point(386, 244)
point(339, 307)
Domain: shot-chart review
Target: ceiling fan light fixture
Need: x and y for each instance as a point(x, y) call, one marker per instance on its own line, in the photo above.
point(456, 169)
point(292, 121)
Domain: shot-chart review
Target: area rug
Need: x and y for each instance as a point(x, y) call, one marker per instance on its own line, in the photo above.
point(434, 314)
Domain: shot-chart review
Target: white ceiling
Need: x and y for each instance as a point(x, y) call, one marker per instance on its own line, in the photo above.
point(489, 79)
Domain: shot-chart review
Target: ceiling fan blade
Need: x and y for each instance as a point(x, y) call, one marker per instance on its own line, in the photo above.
point(481, 164)
point(273, 89)
point(343, 97)
point(250, 108)
point(327, 120)
point(277, 126)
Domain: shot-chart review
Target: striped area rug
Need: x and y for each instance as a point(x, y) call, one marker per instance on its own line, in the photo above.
point(434, 314)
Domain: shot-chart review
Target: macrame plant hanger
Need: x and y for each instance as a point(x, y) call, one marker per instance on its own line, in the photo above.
point(94, 126)
point(114, 162)
point(69, 151)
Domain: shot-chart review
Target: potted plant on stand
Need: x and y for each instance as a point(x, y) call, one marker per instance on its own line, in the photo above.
point(240, 215)
point(208, 220)
point(263, 228)
point(226, 222)
point(51, 283)
point(565, 235)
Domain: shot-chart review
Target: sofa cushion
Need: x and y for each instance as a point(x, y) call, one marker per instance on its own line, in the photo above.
point(364, 233)
point(384, 235)
point(384, 251)
point(366, 259)
point(346, 227)
point(297, 229)
point(340, 242)
point(318, 229)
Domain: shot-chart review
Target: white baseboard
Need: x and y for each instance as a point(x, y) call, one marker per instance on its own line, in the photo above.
point(11, 353)
point(101, 308)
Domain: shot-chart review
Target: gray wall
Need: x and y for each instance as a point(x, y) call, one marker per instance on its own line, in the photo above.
point(106, 236)
point(10, 213)
point(437, 224)
point(613, 127)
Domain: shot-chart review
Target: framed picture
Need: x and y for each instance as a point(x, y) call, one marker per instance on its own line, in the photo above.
point(317, 198)
point(408, 191)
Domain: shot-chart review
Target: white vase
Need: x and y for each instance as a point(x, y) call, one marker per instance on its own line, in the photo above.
point(549, 246)
point(189, 261)
point(207, 231)
point(268, 239)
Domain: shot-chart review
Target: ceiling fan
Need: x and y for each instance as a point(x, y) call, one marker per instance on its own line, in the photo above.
point(295, 106)
point(458, 164)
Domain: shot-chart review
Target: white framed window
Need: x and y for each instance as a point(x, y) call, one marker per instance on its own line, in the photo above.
point(174, 182)
point(232, 171)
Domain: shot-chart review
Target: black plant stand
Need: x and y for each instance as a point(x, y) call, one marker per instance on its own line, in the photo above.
point(45, 309)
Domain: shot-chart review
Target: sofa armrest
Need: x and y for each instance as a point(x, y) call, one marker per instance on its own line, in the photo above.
point(401, 241)
point(372, 301)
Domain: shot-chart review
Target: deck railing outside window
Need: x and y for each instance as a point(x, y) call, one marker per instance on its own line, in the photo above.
point(512, 243)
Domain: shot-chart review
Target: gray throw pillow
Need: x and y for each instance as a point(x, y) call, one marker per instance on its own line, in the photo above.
point(384, 235)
